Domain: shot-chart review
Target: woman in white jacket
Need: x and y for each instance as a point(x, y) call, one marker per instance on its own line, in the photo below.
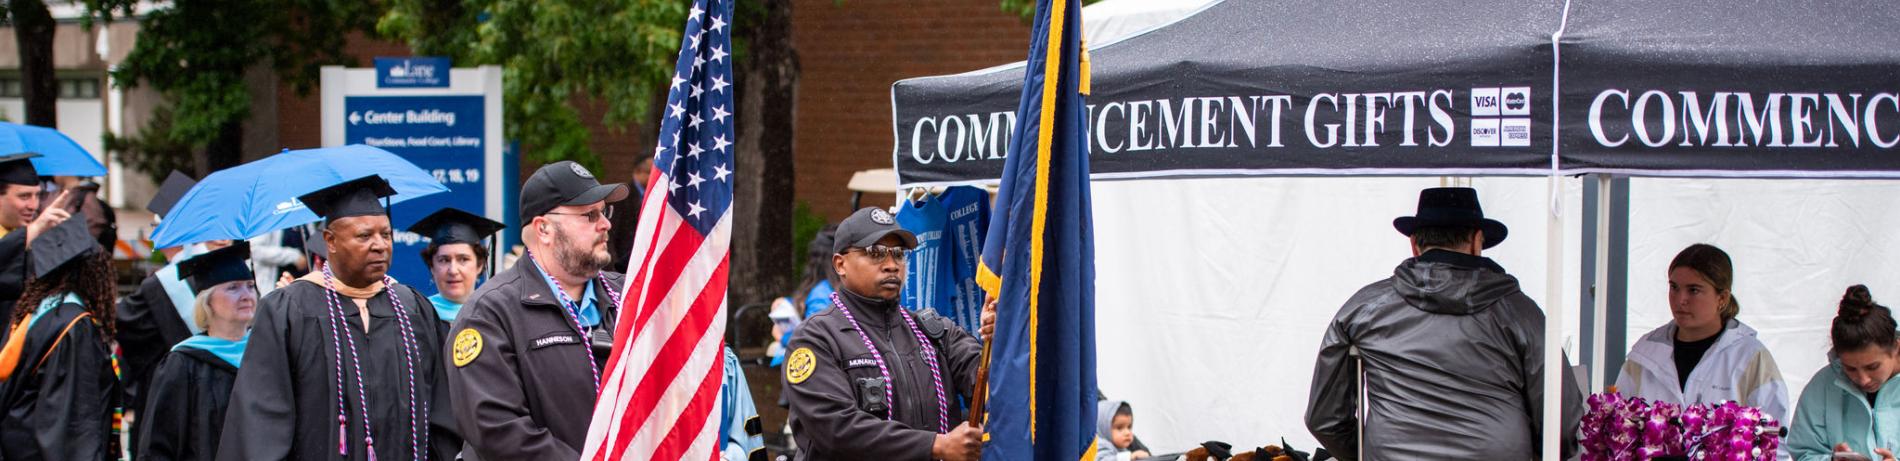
point(1704, 355)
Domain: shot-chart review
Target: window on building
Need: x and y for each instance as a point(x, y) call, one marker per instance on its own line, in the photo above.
point(79, 88)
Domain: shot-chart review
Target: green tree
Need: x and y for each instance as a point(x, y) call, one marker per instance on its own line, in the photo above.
point(556, 54)
point(196, 54)
point(33, 33)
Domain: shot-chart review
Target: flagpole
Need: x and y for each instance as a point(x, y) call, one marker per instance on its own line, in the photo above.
point(980, 399)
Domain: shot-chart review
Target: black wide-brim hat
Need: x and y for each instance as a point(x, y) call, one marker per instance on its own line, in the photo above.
point(1452, 207)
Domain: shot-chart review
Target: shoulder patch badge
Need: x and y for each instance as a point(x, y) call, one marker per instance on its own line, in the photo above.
point(799, 366)
point(468, 346)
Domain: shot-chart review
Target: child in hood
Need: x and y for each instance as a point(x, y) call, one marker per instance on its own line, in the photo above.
point(1115, 433)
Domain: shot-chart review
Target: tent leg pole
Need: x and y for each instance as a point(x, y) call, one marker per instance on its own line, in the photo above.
point(1600, 302)
point(1589, 317)
point(1616, 313)
point(1554, 314)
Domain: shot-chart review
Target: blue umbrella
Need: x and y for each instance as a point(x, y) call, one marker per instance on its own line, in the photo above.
point(59, 155)
point(258, 197)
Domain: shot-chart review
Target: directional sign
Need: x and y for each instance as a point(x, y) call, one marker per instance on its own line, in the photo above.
point(440, 134)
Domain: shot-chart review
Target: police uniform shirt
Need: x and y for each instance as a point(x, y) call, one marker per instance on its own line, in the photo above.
point(518, 372)
point(838, 403)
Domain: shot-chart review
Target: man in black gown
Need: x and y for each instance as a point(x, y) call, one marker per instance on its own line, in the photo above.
point(344, 361)
point(21, 219)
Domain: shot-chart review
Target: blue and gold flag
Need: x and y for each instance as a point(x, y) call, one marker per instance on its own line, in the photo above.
point(1039, 259)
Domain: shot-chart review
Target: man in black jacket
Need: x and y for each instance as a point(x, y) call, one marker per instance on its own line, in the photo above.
point(1452, 351)
point(867, 379)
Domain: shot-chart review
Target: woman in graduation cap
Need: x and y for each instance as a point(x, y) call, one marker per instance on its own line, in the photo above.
point(456, 256)
point(60, 389)
point(184, 413)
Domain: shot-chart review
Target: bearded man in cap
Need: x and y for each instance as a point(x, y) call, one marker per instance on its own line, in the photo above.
point(345, 362)
point(530, 345)
point(1452, 351)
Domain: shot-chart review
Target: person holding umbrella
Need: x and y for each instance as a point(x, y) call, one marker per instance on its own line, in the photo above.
point(153, 317)
point(191, 389)
point(60, 399)
point(456, 256)
point(344, 362)
point(21, 220)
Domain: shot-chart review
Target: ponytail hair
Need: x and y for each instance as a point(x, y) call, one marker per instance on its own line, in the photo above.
point(1862, 323)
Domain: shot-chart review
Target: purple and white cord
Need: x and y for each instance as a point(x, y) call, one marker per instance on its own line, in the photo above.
point(936, 378)
point(573, 310)
point(409, 348)
point(356, 363)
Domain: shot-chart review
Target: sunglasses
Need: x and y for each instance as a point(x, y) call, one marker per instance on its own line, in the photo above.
point(881, 253)
point(592, 216)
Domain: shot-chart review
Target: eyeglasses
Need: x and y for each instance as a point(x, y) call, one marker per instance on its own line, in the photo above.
point(592, 216)
point(880, 253)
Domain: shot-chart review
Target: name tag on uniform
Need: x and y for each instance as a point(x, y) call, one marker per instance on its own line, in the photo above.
point(860, 362)
point(555, 340)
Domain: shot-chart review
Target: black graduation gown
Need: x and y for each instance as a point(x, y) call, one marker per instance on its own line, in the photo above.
point(188, 395)
point(283, 405)
point(148, 327)
point(12, 272)
point(62, 410)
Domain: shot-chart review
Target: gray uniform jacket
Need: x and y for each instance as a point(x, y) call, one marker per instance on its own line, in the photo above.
point(1454, 366)
point(838, 403)
point(517, 371)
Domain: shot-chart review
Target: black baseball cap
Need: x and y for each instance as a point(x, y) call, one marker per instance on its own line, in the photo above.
point(867, 226)
point(564, 183)
point(18, 169)
point(221, 265)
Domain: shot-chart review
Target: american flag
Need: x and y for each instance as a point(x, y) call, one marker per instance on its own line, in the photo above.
point(660, 391)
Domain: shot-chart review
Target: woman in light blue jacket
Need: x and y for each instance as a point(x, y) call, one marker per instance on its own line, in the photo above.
point(1853, 404)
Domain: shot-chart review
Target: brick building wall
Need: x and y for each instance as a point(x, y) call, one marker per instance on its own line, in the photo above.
point(852, 51)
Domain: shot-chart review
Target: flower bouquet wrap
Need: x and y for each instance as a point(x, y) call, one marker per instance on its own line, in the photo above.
point(1619, 429)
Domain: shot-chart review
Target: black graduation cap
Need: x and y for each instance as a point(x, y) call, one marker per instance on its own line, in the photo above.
point(168, 194)
point(17, 169)
point(452, 225)
point(221, 265)
point(70, 240)
point(313, 244)
point(356, 197)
